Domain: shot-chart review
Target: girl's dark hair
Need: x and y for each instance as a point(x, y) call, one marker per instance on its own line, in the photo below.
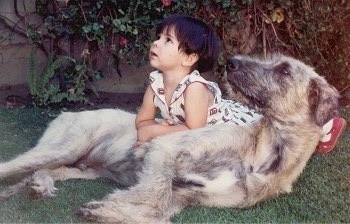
point(194, 36)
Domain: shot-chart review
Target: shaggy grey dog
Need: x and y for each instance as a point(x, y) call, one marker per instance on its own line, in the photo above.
point(222, 166)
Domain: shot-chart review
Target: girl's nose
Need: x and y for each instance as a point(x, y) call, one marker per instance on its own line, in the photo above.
point(155, 43)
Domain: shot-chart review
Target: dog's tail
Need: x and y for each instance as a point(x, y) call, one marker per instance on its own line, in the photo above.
point(16, 188)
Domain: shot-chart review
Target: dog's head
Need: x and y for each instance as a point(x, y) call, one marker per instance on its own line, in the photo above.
point(282, 86)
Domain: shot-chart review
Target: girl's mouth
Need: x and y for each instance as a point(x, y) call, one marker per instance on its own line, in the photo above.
point(152, 54)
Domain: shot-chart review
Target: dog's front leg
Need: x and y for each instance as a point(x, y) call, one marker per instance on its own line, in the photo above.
point(41, 183)
point(149, 201)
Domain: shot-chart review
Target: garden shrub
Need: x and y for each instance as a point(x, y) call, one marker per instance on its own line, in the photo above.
point(89, 32)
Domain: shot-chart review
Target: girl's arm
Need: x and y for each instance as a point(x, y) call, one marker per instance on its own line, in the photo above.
point(147, 127)
point(147, 111)
point(197, 101)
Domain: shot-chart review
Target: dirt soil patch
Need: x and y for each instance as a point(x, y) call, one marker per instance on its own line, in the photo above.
point(18, 96)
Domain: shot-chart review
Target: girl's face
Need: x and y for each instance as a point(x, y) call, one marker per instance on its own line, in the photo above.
point(164, 54)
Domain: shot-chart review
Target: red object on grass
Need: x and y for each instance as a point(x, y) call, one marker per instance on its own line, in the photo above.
point(339, 125)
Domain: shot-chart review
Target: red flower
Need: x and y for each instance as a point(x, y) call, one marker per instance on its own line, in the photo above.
point(166, 2)
point(123, 41)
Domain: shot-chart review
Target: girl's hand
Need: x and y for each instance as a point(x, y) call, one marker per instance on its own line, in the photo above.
point(137, 143)
point(167, 122)
point(146, 133)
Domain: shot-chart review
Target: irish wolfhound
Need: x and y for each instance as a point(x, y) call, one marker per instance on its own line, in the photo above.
point(224, 166)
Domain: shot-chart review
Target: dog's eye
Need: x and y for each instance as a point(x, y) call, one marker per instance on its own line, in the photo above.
point(284, 71)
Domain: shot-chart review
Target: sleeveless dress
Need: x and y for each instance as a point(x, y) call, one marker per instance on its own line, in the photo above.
point(220, 112)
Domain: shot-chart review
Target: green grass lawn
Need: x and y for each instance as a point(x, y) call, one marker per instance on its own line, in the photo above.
point(321, 195)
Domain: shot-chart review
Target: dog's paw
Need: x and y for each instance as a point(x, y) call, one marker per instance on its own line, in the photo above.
point(96, 211)
point(92, 205)
point(86, 213)
point(42, 185)
point(104, 211)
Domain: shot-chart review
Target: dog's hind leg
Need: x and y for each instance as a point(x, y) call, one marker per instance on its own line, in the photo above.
point(43, 155)
point(64, 142)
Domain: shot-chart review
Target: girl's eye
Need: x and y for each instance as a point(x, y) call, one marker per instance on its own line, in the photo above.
point(168, 40)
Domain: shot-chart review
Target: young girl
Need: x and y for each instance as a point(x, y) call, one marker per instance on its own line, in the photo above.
point(185, 48)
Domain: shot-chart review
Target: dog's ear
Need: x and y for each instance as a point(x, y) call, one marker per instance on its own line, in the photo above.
point(323, 101)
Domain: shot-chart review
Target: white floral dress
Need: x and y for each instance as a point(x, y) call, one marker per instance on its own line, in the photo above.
point(220, 112)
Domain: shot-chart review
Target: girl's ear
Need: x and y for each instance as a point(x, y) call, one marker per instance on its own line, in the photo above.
point(190, 60)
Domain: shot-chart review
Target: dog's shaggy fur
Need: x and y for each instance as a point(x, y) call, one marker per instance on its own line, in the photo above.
point(223, 166)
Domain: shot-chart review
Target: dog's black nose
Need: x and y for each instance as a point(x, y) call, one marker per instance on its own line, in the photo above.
point(233, 64)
